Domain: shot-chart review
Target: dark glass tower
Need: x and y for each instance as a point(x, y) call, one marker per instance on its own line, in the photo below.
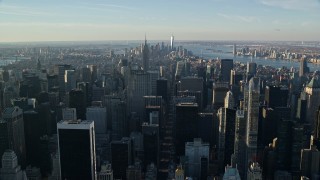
point(77, 150)
point(77, 100)
point(186, 125)
point(225, 68)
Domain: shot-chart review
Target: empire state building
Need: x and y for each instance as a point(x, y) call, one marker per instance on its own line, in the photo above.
point(145, 57)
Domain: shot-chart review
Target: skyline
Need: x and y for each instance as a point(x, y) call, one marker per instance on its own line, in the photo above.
point(97, 20)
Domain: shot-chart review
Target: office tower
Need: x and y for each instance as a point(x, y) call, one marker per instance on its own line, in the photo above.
point(151, 143)
point(122, 157)
point(219, 92)
point(119, 122)
point(303, 67)
point(284, 134)
point(252, 120)
point(254, 172)
point(208, 127)
point(70, 80)
point(10, 170)
point(239, 159)
point(94, 72)
point(162, 89)
point(134, 172)
point(251, 68)
point(139, 85)
point(77, 100)
point(52, 81)
point(99, 116)
point(179, 173)
point(48, 125)
point(15, 132)
point(191, 86)
point(76, 142)
point(226, 135)
point(269, 161)
point(180, 70)
point(231, 173)
point(33, 173)
point(235, 77)
point(87, 90)
point(186, 123)
point(151, 172)
point(229, 101)
point(297, 143)
point(310, 159)
point(154, 76)
point(59, 70)
point(234, 52)
point(97, 93)
point(276, 96)
point(316, 131)
point(194, 151)
point(8, 94)
point(225, 68)
point(86, 74)
point(312, 91)
point(69, 114)
point(145, 56)
point(301, 111)
point(106, 172)
point(32, 137)
point(4, 139)
point(171, 42)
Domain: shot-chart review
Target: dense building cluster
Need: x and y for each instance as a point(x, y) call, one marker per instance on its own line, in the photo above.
point(155, 111)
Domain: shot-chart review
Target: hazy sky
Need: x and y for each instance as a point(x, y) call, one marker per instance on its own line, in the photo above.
point(56, 20)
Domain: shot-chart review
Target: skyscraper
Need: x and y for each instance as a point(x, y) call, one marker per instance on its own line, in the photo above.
point(310, 159)
point(312, 91)
point(303, 67)
point(251, 68)
point(77, 100)
point(60, 71)
point(139, 85)
point(194, 151)
point(252, 120)
point(99, 116)
point(239, 157)
point(145, 56)
point(225, 69)
point(76, 142)
point(122, 157)
point(185, 127)
point(10, 168)
point(70, 80)
point(15, 128)
point(226, 135)
point(171, 42)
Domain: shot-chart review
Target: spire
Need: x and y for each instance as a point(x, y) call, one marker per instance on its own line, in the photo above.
point(145, 38)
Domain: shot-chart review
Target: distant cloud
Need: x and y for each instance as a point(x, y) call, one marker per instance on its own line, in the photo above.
point(291, 4)
point(247, 19)
point(277, 30)
point(106, 6)
point(22, 11)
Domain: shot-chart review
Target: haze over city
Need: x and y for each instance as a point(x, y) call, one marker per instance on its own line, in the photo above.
point(82, 20)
